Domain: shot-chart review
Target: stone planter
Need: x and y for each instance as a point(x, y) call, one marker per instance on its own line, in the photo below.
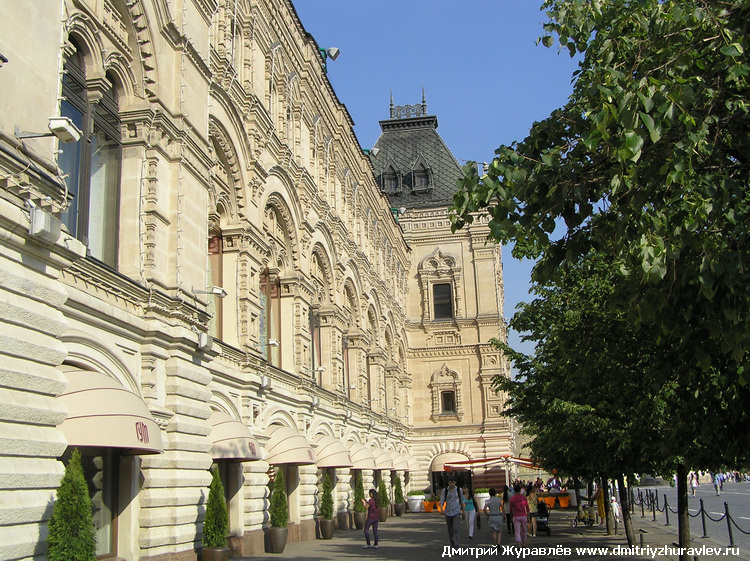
point(481, 499)
point(359, 520)
point(398, 508)
point(415, 503)
point(383, 513)
point(215, 554)
point(326, 528)
point(277, 538)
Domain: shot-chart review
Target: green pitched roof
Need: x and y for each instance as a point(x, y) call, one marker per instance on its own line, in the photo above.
point(412, 163)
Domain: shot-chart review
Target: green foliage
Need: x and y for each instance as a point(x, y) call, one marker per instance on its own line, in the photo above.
point(326, 501)
point(383, 493)
point(359, 493)
point(215, 522)
point(398, 493)
point(481, 490)
point(415, 493)
point(71, 527)
point(279, 508)
point(649, 158)
point(648, 162)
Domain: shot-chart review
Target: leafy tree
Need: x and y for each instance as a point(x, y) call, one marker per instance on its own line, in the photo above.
point(215, 522)
point(583, 393)
point(71, 527)
point(326, 501)
point(359, 492)
point(279, 509)
point(648, 159)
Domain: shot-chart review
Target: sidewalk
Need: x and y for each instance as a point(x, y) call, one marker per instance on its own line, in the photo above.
point(423, 537)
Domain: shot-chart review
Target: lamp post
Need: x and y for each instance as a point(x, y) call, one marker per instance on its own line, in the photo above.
point(332, 53)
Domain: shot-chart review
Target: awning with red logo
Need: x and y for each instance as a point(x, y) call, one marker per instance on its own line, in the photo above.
point(102, 413)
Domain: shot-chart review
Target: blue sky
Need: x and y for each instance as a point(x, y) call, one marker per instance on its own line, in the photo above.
point(483, 75)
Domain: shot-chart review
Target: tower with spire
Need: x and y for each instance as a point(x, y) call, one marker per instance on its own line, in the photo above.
point(454, 304)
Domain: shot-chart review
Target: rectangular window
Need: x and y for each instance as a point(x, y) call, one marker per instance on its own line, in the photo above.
point(442, 300)
point(449, 402)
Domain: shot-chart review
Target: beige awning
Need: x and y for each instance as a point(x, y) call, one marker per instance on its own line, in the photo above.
point(331, 453)
point(400, 463)
point(286, 446)
point(361, 456)
point(103, 413)
point(446, 458)
point(413, 463)
point(231, 439)
point(382, 459)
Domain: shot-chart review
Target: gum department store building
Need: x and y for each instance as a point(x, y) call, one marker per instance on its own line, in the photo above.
point(216, 272)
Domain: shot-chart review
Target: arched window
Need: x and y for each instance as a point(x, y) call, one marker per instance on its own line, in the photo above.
point(93, 163)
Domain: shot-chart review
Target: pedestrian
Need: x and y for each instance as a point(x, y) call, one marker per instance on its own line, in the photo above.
point(506, 508)
point(693, 482)
point(717, 484)
point(493, 510)
point(373, 518)
point(533, 498)
point(452, 503)
point(470, 510)
point(599, 500)
point(519, 510)
point(616, 510)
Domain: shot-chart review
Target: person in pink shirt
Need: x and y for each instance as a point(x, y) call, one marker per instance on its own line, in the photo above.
point(519, 511)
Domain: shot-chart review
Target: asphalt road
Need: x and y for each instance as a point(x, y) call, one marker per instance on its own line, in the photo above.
point(737, 497)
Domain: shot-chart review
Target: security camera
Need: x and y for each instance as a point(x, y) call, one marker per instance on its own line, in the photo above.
point(64, 129)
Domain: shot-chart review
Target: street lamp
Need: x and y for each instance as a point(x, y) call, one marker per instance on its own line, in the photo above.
point(332, 53)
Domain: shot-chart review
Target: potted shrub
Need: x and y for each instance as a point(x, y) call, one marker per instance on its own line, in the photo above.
point(71, 528)
point(360, 512)
point(279, 514)
point(384, 501)
point(326, 511)
point(415, 501)
point(430, 503)
point(215, 523)
point(398, 497)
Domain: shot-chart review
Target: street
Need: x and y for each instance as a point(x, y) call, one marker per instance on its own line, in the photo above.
point(737, 497)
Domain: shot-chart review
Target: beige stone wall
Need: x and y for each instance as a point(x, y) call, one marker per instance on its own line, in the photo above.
point(229, 129)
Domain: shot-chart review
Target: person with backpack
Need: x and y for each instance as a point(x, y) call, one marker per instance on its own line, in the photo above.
point(452, 503)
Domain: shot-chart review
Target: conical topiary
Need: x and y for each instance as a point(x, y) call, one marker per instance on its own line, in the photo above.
point(398, 493)
point(215, 523)
point(359, 493)
point(326, 501)
point(383, 494)
point(279, 508)
point(71, 528)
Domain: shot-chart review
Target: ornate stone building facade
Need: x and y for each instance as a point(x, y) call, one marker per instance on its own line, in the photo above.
point(454, 307)
point(198, 266)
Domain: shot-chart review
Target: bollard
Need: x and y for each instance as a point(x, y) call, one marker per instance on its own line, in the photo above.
point(654, 506)
point(703, 520)
point(643, 514)
point(729, 525)
point(666, 509)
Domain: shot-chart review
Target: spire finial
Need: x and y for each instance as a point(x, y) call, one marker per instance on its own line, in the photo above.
point(424, 102)
point(391, 103)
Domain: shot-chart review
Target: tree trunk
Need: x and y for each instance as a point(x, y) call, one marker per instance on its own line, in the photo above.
point(625, 509)
point(607, 507)
point(576, 482)
point(683, 516)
